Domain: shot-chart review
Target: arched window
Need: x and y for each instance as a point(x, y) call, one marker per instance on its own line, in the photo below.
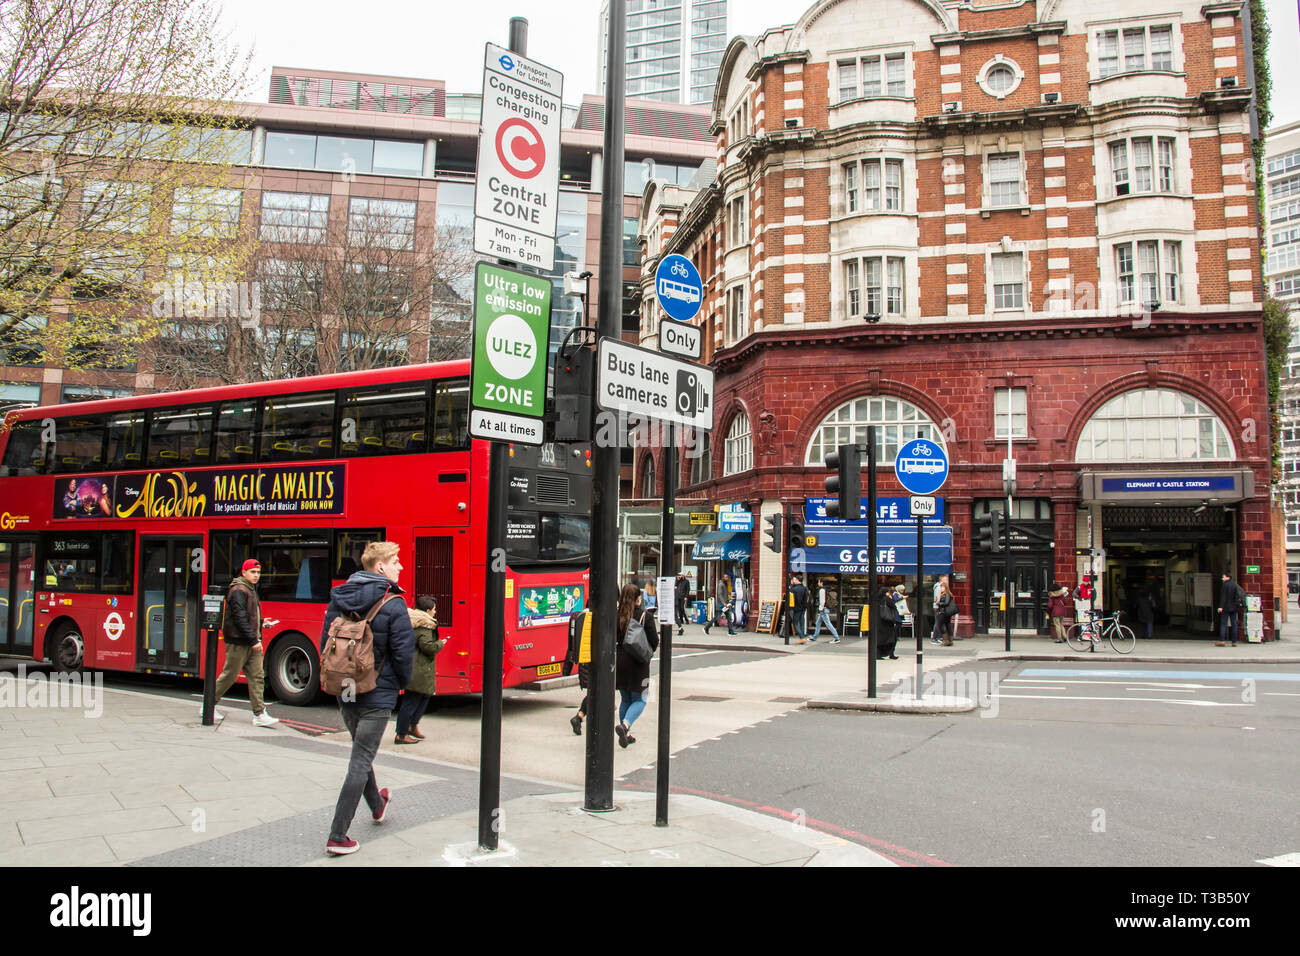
point(739, 449)
point(896, 421)
point(701, 456)
point(648, 477)
point(1154, 424)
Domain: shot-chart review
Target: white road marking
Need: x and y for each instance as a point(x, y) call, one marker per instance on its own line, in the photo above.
point(1274, 693)
point(1162, 690)
point(1113, 682)
point(1286, 859)
point(1131, 700)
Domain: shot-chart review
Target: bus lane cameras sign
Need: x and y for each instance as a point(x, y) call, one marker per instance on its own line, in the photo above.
point(518, 183)
point(512, 326)
point(634, 381)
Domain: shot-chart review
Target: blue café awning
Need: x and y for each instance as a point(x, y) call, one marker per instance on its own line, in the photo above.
point(721, 546)
point(843, 550)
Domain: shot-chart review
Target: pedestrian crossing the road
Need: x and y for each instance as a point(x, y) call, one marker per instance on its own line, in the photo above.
point(1179, 688)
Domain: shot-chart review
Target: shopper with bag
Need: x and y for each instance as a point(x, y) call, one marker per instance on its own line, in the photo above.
point(637, 639)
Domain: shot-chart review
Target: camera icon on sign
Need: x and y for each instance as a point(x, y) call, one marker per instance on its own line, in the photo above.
point(691, 396)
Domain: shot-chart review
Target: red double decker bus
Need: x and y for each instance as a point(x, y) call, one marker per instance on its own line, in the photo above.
point(115, 516)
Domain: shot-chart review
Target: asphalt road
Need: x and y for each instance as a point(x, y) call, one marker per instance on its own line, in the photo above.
point(1155, 765)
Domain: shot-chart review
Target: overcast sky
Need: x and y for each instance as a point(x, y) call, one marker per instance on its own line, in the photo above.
point(444, 39)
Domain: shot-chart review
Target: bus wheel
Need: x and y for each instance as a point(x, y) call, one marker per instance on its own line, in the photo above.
point(67, 650)
point(294, 670)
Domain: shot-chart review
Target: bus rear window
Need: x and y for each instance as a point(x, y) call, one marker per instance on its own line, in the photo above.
point(450, 415)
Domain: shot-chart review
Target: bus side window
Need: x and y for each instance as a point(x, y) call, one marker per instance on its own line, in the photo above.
point(24, 451)
point(125, 440)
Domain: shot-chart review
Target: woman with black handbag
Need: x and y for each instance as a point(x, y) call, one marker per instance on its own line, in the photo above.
point(632, 667)
point(887, 615)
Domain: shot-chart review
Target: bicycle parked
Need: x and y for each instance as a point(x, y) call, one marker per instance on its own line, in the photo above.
point(1087, 634)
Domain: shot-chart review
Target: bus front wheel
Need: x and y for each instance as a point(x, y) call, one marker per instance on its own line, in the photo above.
point(294, 670)
point(67, 650)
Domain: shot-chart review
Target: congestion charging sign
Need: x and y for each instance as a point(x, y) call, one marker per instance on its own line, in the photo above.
point(512, 327)
point(518, 183)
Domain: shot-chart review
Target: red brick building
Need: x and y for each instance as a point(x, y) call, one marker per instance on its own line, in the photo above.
point(968, 221)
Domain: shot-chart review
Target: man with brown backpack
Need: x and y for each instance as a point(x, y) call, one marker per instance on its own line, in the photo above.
point(368, 648)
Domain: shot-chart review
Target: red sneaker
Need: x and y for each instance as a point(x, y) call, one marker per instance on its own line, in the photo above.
point(342, 847)
point(383, 807)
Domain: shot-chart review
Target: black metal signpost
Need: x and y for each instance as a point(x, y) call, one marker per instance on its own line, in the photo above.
point(873, 641)
point(918, 616)
point(212, 603)
point(667, 570)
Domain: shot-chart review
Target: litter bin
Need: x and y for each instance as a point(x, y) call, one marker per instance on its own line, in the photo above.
point(700, 612)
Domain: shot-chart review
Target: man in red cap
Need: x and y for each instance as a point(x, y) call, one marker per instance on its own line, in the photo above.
point(241, 627)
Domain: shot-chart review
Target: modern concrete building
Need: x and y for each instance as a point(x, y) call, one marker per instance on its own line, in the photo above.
point(1013, 225)
point(673, 48)
point(1282, 273)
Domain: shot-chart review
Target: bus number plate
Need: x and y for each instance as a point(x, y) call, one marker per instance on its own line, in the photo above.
point(546, 669)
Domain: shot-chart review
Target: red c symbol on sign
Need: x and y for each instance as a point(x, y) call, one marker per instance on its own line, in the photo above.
point(520, 148)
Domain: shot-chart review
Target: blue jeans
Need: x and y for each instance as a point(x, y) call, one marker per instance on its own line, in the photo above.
point(800, 622)
point(825, 615)
point(367, 726)
point(410, 711)
point(630, 705)
point(1228, 624)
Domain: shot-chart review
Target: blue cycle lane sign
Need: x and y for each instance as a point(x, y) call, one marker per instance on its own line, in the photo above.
point(921, 466)
point(678, 288)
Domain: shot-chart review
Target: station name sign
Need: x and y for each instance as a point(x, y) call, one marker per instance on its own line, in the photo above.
point(1197, 483)
point(203, 493)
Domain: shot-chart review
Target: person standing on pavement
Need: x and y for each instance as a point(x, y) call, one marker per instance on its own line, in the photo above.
point(1145, 611)
point(722, 594)
point(423, 684)
point(824, 614)
point(886, 612)
point(944, 611)
point(241, 627)
point(1230, 596)
point(632, 676)
point(579, 654)
point(798, 607)
point(366, 718)
point(681, 594)
point(1057, 607)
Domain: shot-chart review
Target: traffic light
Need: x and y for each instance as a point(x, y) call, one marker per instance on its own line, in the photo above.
point(773, 532)
point(846, 484)
point(989, 528)
point(796, 536)
point(574, 381)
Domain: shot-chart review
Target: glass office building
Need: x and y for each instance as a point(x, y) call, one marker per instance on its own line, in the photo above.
point(674, 48)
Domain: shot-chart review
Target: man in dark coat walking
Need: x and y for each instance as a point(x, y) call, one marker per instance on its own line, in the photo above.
point(241, 631)
point(367, 717)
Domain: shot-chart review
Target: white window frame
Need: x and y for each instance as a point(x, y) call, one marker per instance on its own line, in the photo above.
point(1019, 414)
point(878, 280)
point(312, 227)
point(739, 448)
point(383, 223)
point(1125, 170)
point(737, 224)
point(1022, 197)
point(876, 63)
point(118, 206)
point(737, 318)
point(1125, 61)
point(999, 262)
point(896, 419)
point(1000, 61)
point(1149, 257)
point(206, 211)
point(1124, 428)
point(874, 184)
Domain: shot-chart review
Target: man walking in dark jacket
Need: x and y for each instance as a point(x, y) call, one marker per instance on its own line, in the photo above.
point(1229, 596)
point(241, 628)
point(367, 717)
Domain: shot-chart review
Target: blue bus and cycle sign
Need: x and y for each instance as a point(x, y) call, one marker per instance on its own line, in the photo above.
point(921, 466)
point(680, 293)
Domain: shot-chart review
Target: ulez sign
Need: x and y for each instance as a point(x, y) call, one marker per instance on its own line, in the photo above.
point(512, 326)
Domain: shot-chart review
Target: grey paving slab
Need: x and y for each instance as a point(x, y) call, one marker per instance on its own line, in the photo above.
point(61, 808)
point(270, 786)
point(131, 799)
point(83, 851)
point(20, 763)
point(9, 838)
point(243, 810)
point(687, 854)
point(743, 839)
point(94, 825)
point(641, 837)
point(128, 847)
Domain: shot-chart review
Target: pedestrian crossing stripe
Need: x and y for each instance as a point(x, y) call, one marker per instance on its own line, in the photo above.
point(1159, 675)
point(1286, 859)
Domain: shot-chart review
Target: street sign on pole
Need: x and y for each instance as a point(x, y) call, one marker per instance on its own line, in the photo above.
point(678, 338)
point(512, 326)
point(921, 506)
point(518, 184)
point(678, 287)
point(921, 466)
point(637, 381)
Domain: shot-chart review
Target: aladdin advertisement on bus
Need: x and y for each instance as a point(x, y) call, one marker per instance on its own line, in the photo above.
point(210, 493)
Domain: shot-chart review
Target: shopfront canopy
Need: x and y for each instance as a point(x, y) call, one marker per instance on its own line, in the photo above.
point(722, 546)
point(843, 550)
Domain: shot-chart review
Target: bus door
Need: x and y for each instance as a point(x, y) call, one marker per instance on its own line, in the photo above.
point(169, 618)
point(442, 573)
point(17, 595)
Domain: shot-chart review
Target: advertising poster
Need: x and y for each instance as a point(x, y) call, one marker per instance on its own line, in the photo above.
point(539, 607)
point(85, 497)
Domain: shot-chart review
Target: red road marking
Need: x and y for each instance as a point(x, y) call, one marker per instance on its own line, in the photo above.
point(302, 725)
point(880, 846)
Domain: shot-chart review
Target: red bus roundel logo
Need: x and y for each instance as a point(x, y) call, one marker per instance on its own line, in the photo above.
point(520, 148)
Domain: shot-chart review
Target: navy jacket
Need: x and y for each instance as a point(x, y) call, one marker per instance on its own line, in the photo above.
point(394, 636)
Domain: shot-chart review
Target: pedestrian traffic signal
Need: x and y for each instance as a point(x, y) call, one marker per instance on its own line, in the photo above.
point(989, 532)
point(773, 532)
point(846, 484)
point(796, 536)
point(574, 382)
